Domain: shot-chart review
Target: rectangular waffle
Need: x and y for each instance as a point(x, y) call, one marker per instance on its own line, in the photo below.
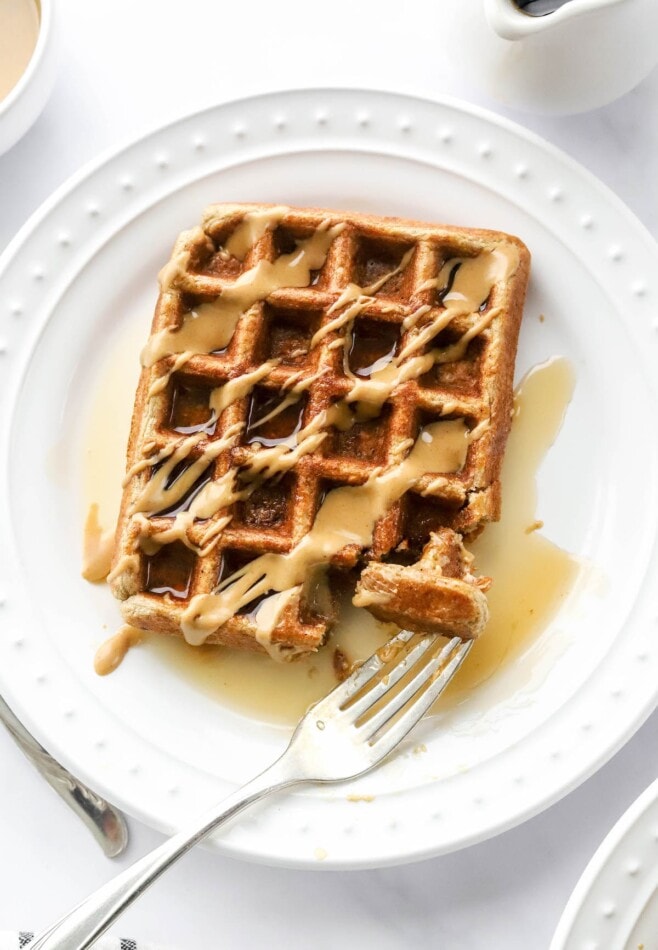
point(298, 351)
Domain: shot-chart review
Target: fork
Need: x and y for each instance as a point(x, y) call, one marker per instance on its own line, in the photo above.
point(342, 736)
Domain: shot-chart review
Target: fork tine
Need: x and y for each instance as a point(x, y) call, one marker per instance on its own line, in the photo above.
point(357, 680)
point(422, 676)
point(383, 685)
point(390, 738)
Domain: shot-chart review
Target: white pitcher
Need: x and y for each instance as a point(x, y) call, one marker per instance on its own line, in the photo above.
point(584, 55)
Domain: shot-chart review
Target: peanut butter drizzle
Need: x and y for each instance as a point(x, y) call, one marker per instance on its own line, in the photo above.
point(358, 298)
point(127, 563)
point(471, 286)
point(98, 548)
point(179, 264)
point(160, 383)
point(290, 400)
point(151, 459)
point(250, 230)
point(157, 496)
point(222, 493)
point(211, 325)
point(476, 276)
point(19, 30)
point(241, 387)
point(217, 494)
point(472, 282)
point(457, 350)
point(525, 595)
point(277, 459)
point(225, 395)
point(366, 597)
point(111, 653)
point(376, 390)
point(268, 615)
point(347, 516)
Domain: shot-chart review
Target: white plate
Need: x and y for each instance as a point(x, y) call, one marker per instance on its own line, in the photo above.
point(614, 906)
point(84, 266)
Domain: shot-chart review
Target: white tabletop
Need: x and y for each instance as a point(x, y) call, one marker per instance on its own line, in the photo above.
point(127, 67)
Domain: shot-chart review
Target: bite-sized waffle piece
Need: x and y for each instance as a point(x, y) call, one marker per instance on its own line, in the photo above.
point(438, 594)
point(319, 387)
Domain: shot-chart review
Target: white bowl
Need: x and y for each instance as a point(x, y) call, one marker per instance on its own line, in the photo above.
point(21, 107)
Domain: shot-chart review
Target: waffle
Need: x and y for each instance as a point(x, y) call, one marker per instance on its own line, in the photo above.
point(300, 363)
point(438, 594)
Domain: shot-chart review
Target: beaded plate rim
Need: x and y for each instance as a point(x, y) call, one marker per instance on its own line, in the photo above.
point(113, 190)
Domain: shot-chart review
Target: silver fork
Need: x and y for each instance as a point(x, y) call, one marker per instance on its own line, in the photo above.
point(344, 735)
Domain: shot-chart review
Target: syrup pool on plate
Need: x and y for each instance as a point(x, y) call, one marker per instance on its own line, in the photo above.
point(19, 29)
point(532, 576)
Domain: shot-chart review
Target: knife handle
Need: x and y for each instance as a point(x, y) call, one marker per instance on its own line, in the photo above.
point(106, 824)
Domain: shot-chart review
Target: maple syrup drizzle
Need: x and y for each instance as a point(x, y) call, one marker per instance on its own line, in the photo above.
point(532, 578)
point(210, 327)
point(532, 575)
point(347, 515)
point(526, 593)
point(469, 281)
point(280, 422)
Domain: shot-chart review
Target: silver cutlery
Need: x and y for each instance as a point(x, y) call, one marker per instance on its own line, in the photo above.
point(344, 735)
point(106, 824)
point(540, 7)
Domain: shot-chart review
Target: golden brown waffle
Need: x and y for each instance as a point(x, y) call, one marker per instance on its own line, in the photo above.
point(458, 356)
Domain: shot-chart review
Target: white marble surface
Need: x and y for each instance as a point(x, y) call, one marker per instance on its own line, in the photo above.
point(126, 67)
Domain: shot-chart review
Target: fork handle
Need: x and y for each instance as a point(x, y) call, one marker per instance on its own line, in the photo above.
point(82, 926)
